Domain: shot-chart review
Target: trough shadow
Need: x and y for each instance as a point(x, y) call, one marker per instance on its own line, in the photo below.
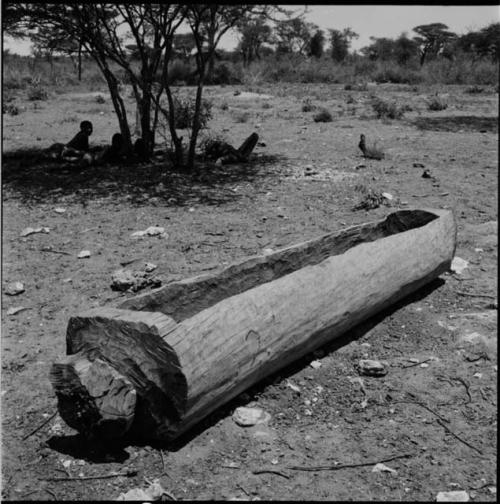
point(35, 180)
point(96, 451)
point(456, 123)
point(353, 334)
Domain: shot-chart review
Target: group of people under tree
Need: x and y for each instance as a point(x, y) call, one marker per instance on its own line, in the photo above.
point(78, 149)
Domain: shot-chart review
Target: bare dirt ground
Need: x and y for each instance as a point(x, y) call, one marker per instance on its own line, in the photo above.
point(438, 402)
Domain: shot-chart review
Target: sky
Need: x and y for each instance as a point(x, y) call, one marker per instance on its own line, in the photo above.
point(371, 21)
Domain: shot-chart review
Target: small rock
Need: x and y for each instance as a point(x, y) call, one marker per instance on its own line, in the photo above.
point(14, 288)
point(149, 267)
point(29, 230)
point(59, 210)
point(478, 250)
point(246, 417)
point(478, 375)
point(383, 468)
point(15, 309)
point(414, 359)
point(84, 254)
point(387, 196)
point(369, 367)
point(424, 365)
point(67, 463)
point(453, 496)
point(492, 490)
point(307, 412)
point(150, 231)
point(154, 492)
point(292, 386)
point(427, 174)
point(267, 251)
point(315, 364)
point(458, 265)
point(418, 165)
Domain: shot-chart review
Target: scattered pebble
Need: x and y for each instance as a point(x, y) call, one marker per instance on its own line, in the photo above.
point(315, 364)
point(267, 251)
point(29, 230)
point(478, 375)
point(84, 254)
point(149, 267)
point(59, 210)
point(424, 365)
point(453, 496)
point(246, 417)
point(154, 492)
point(369, 367)
point(15, 309)
point(151, 231)
point(292, 386)
point(414, 359)
point(458, 265)
point(478, 250)
point(383, 468)
point(14, 288)
point(387, 196)
point(307, 412)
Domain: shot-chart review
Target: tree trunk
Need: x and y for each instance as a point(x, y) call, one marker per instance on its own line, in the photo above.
point(79, 61)
point(193, 345)
point(196, 120)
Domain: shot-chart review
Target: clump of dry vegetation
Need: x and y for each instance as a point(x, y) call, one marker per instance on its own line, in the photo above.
point(37, 92)
point(370, 198)
point(100, 99)
point(324, 115)
point(387, 109)
point(308, 106)
point(436, 103)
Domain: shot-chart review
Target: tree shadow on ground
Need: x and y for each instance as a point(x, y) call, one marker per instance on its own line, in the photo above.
point(35, 180)
point(456, 123)
point(114, 451)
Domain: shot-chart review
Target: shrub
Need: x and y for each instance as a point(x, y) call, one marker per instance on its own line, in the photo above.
point(349, 99)
point(212, 145)
point(180, 72)
point(474, 90)
point(184, 112)
point(307, 106)
point(224, 106)
point(100, 99)
point(241, 116)
point(323, 115)
point(436, 103)
point(36, 92)
point(266, 105)
point(370, 198)
point(225, 73)
point(10, 108)
point(385, 109)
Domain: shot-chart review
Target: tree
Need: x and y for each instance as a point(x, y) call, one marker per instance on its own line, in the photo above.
point(405, 49)
point(482, 43)
point(340, 41)
point(316, 45)
point(431, 39)
point(294, 35)
point(253, 33)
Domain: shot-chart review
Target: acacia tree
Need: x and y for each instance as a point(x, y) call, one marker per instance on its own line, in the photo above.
point(294, 35)
point(431, 39)
point(316, 44)
point(340, 41)
point(253, 33)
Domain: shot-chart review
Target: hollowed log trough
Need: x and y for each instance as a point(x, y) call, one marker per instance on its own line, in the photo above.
point(160, 362)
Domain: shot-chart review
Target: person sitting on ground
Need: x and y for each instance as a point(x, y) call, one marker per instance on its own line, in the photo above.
point(76, 148)
point(227, 154)
point(112, 154)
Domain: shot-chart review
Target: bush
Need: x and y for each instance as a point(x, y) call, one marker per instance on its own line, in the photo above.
point(225, 73)
point(180, 72)
point(10, 108)
point(385, 109)
point(184, 112)
point(100, 99)
point(212, 145)
point(323, 115)
point(436, 103)
point(224, 106)
point(307, 106)
point(474, 90)
point(37, 93)
point(241, 116)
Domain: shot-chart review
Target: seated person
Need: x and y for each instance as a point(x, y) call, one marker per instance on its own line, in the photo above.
point(114, 153)
point(76, 147)
point(228, 154)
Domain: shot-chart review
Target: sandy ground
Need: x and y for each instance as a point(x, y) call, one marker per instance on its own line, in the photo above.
point(437, 403)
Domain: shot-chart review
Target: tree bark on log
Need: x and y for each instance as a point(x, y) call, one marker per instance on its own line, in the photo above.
point(188, 347)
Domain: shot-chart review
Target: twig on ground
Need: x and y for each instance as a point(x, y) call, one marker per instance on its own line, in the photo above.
point(483, 394)
point(416, 364)
point(243, 490)
point(466, 385)
point(472, 294)
point(344, 466)
point(271, 471)
point(426, 407)
point(447, 429)
point(50, 492)
point(45, 422)
point(128, 474)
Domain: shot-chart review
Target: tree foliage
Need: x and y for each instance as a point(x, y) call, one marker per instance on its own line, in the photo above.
point(340, 41)
point(316, 46)
point(431, 39)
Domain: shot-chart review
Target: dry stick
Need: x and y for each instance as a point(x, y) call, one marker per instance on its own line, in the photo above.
point(164, 471)
point(466, 385)
point(343, 466)
point(457, 437)
point(129, 474)
point(426, 407)
point(56, 498)
point(416, 364)
point(272, 471)
point(472, 294)
point(45, 422)
point(241, 488)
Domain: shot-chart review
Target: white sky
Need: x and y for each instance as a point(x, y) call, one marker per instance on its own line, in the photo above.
point(372, 21)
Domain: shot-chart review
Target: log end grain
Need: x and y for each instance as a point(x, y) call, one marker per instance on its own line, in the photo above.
point(93, 398)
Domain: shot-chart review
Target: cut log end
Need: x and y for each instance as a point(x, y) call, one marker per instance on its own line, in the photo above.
point(93, 398)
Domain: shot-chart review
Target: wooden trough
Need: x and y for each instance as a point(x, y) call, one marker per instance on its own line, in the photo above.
point(160, 362)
